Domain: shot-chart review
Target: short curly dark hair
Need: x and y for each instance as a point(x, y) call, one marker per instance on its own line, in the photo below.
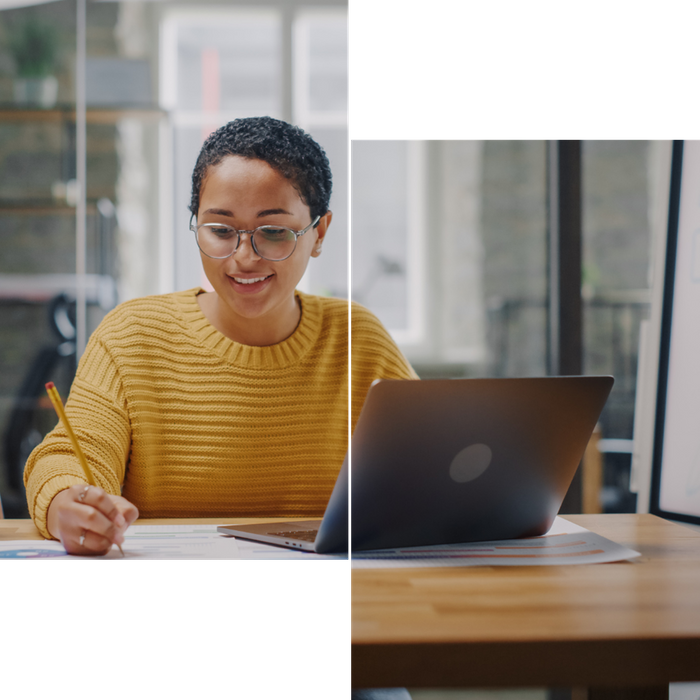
point(287, 148)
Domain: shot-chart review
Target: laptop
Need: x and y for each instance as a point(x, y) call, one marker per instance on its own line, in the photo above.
point(453, 460)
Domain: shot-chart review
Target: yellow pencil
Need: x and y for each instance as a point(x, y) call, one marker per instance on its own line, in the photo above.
point(58, 405)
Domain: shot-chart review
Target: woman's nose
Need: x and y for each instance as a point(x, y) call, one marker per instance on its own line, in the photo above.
point(245, 248)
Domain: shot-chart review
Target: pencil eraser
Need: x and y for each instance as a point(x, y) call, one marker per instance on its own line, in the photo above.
point(49, 385)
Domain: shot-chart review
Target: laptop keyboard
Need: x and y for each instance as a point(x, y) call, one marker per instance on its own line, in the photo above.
point(305, 535)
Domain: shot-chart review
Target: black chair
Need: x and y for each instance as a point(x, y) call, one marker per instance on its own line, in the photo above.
point(32, 415)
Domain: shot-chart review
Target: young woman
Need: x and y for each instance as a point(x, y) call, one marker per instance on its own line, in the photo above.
point(231, 403)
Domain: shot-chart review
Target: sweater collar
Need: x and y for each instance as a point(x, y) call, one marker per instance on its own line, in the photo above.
point(283, 354)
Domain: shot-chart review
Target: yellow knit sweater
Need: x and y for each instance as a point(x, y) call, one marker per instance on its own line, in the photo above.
point(184, 422)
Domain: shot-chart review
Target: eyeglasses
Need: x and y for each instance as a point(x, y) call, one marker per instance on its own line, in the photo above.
point(269, 242)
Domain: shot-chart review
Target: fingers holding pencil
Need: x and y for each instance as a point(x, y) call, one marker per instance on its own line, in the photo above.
point(89, 521)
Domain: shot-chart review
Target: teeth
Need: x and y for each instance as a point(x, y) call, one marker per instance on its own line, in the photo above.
point(240, 280)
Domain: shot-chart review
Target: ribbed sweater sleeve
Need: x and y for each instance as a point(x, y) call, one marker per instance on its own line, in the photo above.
point(187, 423)
point(374, 356)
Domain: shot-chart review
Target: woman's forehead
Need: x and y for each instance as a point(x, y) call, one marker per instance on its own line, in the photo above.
point(243, 188)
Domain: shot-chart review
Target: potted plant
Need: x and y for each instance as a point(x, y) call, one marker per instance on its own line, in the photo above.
point(33, 45)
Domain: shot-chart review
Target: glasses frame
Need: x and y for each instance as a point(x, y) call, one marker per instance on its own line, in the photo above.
point(194, 228)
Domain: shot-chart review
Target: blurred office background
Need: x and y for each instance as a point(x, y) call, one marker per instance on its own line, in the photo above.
point(450, 249)
point(450, 244)
point(159, 76)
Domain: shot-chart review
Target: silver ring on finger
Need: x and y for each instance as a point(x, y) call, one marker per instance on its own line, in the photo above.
point(83, 493)
point(82, 538)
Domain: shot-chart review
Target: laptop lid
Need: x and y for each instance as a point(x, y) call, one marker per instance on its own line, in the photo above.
point(463, 460)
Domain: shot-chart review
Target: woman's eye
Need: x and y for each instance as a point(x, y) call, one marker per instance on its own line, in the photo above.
point(221, 231)
point(276, 234)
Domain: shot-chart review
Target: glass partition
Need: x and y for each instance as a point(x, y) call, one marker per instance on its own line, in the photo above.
point(157, 77)
point(622, 188)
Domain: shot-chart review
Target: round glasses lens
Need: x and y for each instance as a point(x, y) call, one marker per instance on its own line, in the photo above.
point(274, 242)
point(217, 241)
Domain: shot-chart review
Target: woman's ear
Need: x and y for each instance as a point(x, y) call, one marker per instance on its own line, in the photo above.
point(321, 228)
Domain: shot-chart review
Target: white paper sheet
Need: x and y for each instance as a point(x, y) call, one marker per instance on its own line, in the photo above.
point(564, 543)
point(166, 542)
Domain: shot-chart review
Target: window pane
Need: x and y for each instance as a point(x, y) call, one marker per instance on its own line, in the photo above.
point(328, 58)
point(449, 251)
point(618, 197)
point(379, 225)
point(229, 63)
point(515, 256)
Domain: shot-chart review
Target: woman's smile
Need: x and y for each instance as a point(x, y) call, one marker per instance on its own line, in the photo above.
point(249, 285)
point(252, 280)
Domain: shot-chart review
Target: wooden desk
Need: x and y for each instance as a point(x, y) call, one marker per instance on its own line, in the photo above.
point(605, 626)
